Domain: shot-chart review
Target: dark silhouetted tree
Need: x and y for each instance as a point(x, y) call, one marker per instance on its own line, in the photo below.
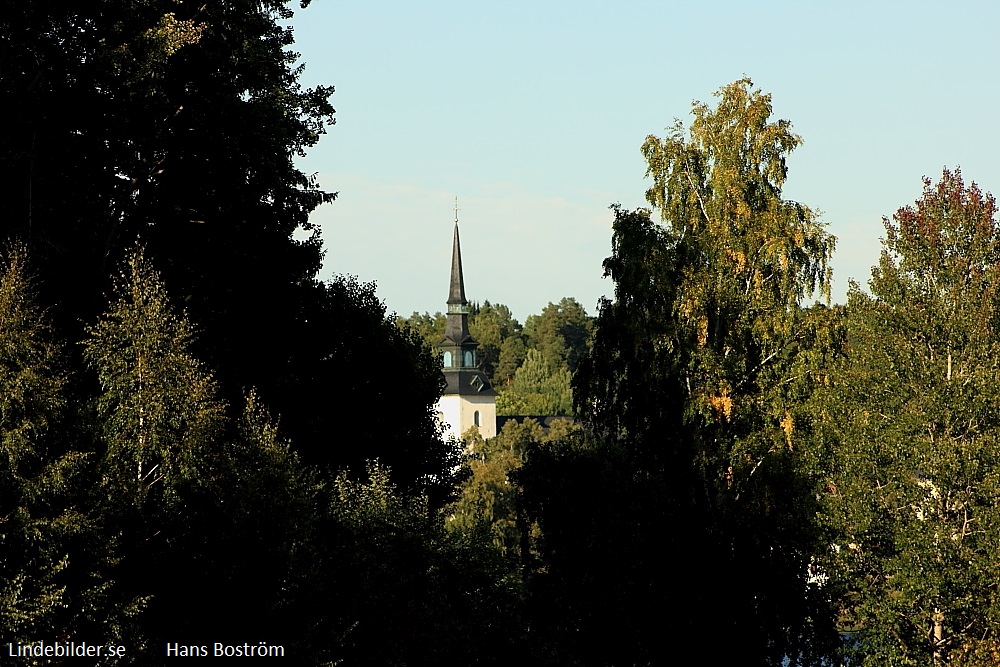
point(694, 470)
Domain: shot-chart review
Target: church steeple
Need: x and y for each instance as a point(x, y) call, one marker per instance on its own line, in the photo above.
point(456, 293)
point(457, 327)
point(458, 347)
point(468, 399)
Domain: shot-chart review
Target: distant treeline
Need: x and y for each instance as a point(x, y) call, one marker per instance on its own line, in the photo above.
point(529, 366)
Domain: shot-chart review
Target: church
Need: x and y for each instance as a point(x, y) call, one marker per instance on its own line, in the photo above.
point(468, 399)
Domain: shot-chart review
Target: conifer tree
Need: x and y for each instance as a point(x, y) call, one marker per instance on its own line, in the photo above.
point(512, 354)
point(540, 387)
point(52, 555)
point(31, 399)
point(561, 332)
point(491, 325)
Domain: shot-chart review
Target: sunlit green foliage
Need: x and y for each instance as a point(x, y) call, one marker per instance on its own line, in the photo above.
point(513, 352)
point(530, 368)
point(492, 325)
point(539, 387)
point(561, 332)
point(31, 378)
point(429, 327)
point(158, 406)
point(53, 563)
point(794, 463)
point(916, 487)
point(488, 501)
point(32, 399)
point(131, 505)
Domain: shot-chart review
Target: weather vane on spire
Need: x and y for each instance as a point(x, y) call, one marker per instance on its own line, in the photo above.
point(456, 209)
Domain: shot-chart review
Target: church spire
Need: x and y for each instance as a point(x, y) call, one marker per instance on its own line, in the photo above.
point(468, 400)
point(456, 293)
point(457, 325)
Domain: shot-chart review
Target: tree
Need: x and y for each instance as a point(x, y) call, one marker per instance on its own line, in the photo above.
point(158, 406)
point(158, 421)
point(686, 388)
point(430, 328)
point(252, 547)
point(31, 402)
point(162, 92)
point(561, 332)
point(193, 502)
point(355, 349)
point(512, 354)
point(55, 564)
point(487, 505)
point(540, 387)
point(492, 325)
point(399, 585)
point(913, 414)
point(188, 120)
point(487, 502)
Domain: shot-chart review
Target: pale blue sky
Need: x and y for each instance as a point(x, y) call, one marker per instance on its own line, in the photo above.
point(532, 113)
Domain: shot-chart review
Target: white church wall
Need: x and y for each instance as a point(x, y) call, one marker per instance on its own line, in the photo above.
point(486, 407)
point(459, 415)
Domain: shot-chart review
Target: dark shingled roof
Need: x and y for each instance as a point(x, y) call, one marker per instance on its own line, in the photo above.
point(456, 291)
point(467, 382)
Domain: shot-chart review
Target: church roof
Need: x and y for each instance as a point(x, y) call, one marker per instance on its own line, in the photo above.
point(464, 340)
point(456, 292)
point(466, 382)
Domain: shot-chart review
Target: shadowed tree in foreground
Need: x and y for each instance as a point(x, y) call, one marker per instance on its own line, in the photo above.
point(694, 480)
point(186, 121)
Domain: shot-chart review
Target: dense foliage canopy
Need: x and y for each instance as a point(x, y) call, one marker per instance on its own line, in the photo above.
point(178, 123)
point(914, 411)
point(193, 435)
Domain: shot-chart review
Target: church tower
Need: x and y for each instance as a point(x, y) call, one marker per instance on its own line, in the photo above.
point(468, 398)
